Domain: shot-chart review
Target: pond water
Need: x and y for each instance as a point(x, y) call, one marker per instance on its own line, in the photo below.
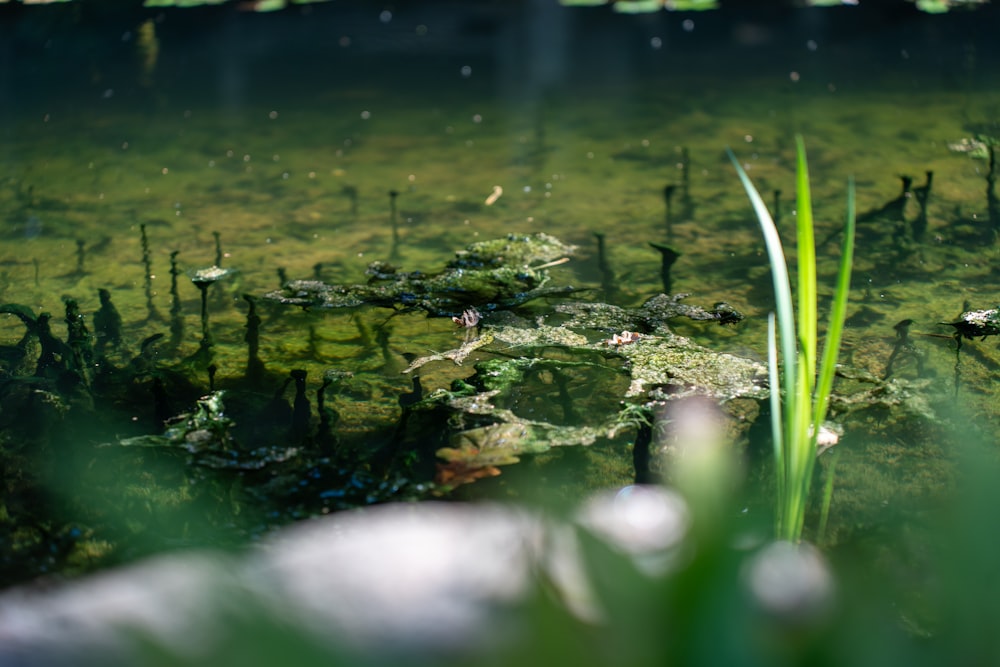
point(299, 145)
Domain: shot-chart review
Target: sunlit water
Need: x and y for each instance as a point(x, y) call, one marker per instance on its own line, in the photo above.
point(285, 135)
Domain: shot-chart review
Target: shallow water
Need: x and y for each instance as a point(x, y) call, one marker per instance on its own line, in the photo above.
point(284, 134)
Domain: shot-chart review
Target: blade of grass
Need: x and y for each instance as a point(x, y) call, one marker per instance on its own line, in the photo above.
point(779, 274)
point(806, 262)
point(827, 498)
point(801, 447)
point(777, 426)
point(838, 312)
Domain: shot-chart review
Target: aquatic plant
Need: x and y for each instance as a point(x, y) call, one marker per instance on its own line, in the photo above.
point(203, 279)
point(799, 397)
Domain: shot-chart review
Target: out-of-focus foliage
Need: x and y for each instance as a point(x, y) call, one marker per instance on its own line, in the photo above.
point(645, 6)
point(621, 6)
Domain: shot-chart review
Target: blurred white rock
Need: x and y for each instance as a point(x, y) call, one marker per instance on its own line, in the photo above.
point(420, 580)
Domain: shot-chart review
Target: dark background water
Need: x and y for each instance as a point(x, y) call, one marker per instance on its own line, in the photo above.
point(59, 51)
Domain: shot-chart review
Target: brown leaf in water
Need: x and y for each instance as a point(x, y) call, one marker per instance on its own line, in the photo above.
point(457, 473)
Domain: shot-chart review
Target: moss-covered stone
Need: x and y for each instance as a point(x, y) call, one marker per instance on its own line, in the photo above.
point(489, 275)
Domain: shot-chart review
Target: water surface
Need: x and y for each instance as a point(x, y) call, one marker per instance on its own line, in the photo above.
point(283, 136)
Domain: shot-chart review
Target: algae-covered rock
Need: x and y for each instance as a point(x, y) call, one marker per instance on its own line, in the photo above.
point(515, 250)
point(651, 317)
point(674, 361)
point(537, 386)
point(488, 276)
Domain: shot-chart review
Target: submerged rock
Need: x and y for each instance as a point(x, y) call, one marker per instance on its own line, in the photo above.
point(488, 276)
point(550, 386)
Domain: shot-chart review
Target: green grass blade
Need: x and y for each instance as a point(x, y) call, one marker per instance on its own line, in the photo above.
point(838, 312)
point(806, 252)
point(777, 427)
point(827, 498)
point(779, 276)
point(800, 446)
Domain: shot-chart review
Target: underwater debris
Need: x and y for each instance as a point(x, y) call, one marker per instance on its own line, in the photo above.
point(688, 369)
point(828, 437)
point(205, 429)
point(662, 307)
point(624, 338)
point(205, 434)
point(976, 324)
point(494, 195)
point(972, 324)
point(469, 318)
point(514, 250)
point(209, 275)
point(867, 393)
point(527, 400)
point(498, 432)
point(457, 355)
point(203, 279)
point(651, 317)
point(489, 275)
